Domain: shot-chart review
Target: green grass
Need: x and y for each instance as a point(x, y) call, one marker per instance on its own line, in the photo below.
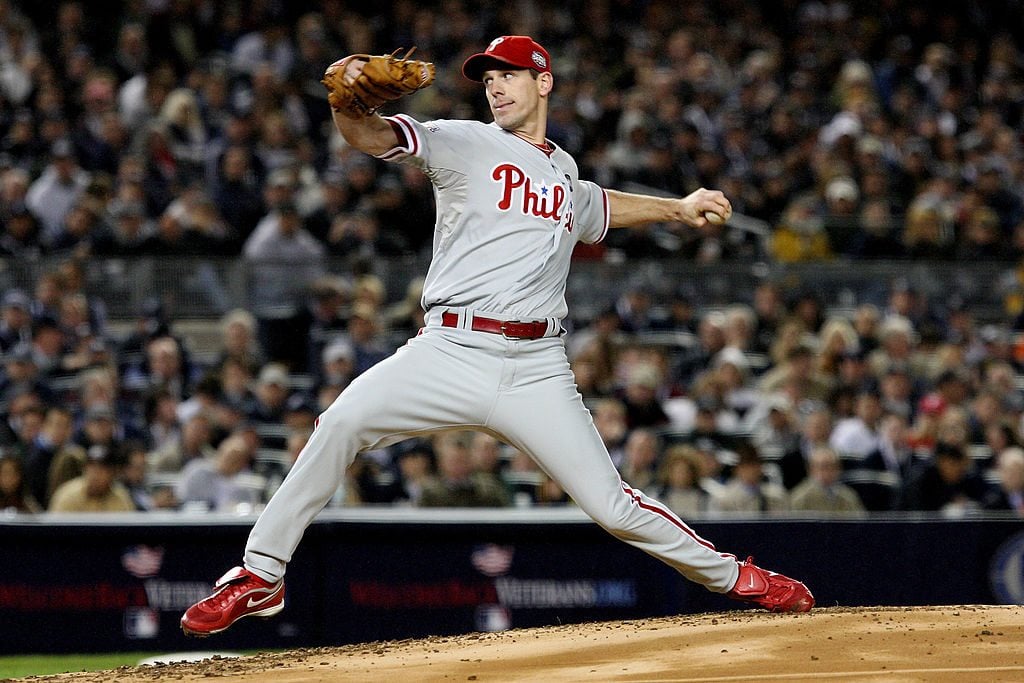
point(19, 666)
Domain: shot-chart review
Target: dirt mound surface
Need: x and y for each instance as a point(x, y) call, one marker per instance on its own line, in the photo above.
point(956, 643)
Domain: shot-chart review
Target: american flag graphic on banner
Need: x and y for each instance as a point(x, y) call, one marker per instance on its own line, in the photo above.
point(142, 561)
point(492, 559)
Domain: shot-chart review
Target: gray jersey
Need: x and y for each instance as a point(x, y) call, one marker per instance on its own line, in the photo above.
point(508, 216)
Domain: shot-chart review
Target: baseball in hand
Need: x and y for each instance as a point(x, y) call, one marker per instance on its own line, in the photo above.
point(714, 218)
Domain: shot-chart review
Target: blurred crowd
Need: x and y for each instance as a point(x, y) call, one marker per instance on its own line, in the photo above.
point(200, 128)
point(838, 129)
point(775, 405)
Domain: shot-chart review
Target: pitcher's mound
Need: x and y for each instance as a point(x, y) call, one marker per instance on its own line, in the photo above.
point(959, 643)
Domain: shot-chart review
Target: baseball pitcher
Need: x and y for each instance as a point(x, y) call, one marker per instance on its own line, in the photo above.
point(510, 208)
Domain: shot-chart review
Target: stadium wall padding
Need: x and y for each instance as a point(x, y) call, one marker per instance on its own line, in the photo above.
point(121, 582)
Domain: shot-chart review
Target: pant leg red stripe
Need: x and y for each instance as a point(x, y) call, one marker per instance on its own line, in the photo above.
point(667, 515)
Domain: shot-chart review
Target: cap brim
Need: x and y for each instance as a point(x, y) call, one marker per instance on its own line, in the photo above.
point(475, 66)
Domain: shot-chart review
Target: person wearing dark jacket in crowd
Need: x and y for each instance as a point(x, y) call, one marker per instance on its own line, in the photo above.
point(947, 484)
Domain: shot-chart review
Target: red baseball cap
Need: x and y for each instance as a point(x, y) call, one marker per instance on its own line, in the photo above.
point(522, 52)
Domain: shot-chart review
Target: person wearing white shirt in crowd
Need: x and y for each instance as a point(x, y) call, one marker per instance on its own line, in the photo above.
point(52, 195)
point(221, 485)
point(857, 436)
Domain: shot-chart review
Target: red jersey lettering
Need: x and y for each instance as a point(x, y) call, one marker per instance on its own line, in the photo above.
point(545, 201)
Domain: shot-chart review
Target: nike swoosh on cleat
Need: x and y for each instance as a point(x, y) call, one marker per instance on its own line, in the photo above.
point(257, 603)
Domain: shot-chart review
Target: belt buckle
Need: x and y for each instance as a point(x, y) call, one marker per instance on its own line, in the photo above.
point(505, 332)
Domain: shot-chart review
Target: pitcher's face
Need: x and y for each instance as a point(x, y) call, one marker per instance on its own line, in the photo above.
point(514, 96)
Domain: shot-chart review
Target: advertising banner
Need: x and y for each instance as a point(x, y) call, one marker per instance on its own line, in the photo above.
point(120, 586)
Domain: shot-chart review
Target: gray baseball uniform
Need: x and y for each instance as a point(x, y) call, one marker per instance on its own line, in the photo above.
point(508, 216)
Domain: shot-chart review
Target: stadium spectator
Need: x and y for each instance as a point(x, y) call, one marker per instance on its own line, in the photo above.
point(610, 420)
point(634, 310)
point(132, 476)
point(27, 420)
point(415, 461)
point(678, 315)
point(236, 381)
point(300, 413)
point(457, 483)
point(14, 493)
point(815, 429)
point(195, 443)
point(15, 320)
point(857, 436)
point(640, 396)
point(547, 492)
point(485, 451)
point(270, 396)
point(364, 334)
point(164, 368)
point(985, 413)
point(896, 390)
point(237, 192)
point(678, 482)
point(53, 458)
point(747, 490)
point(285, 259)
point(151, 321)
point(323, 319)
point(773, 426)
point(797, 376)
point(51, 196)
point(640, 458)
point(710, 340)
point(19, 403)
point(238, 340)
point(835, 340)
point(769, 312)
point(885, 471)
point(129, 230)
point(822, 490)
point(840, 219)
point(100, 427)
point(278, 470)
point(998, 438)
point(224, 484)
point(947, 484)
point(1009, 494)
point(21, 375)
point(161, 420)
point(97, 489)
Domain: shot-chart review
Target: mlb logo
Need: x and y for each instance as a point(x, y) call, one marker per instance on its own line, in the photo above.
point(492, 618)
point(141, 623)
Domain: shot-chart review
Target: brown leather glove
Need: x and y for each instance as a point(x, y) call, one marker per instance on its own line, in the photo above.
point(384, 78)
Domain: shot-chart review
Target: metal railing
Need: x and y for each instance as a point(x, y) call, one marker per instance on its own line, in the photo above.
point(208, 287)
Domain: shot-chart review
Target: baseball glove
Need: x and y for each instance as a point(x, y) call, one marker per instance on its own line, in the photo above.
point(384, 78)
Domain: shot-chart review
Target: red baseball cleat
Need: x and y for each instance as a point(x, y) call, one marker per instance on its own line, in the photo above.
point(237, 594)
point(774, 592)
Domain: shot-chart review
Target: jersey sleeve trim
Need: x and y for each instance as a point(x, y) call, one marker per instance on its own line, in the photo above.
point(411, 144)
point(607, 215)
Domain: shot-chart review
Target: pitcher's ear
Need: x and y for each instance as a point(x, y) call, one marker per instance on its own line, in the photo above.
point(546, 82)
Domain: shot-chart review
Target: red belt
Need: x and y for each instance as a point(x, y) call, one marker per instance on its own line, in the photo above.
point(510, 329)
